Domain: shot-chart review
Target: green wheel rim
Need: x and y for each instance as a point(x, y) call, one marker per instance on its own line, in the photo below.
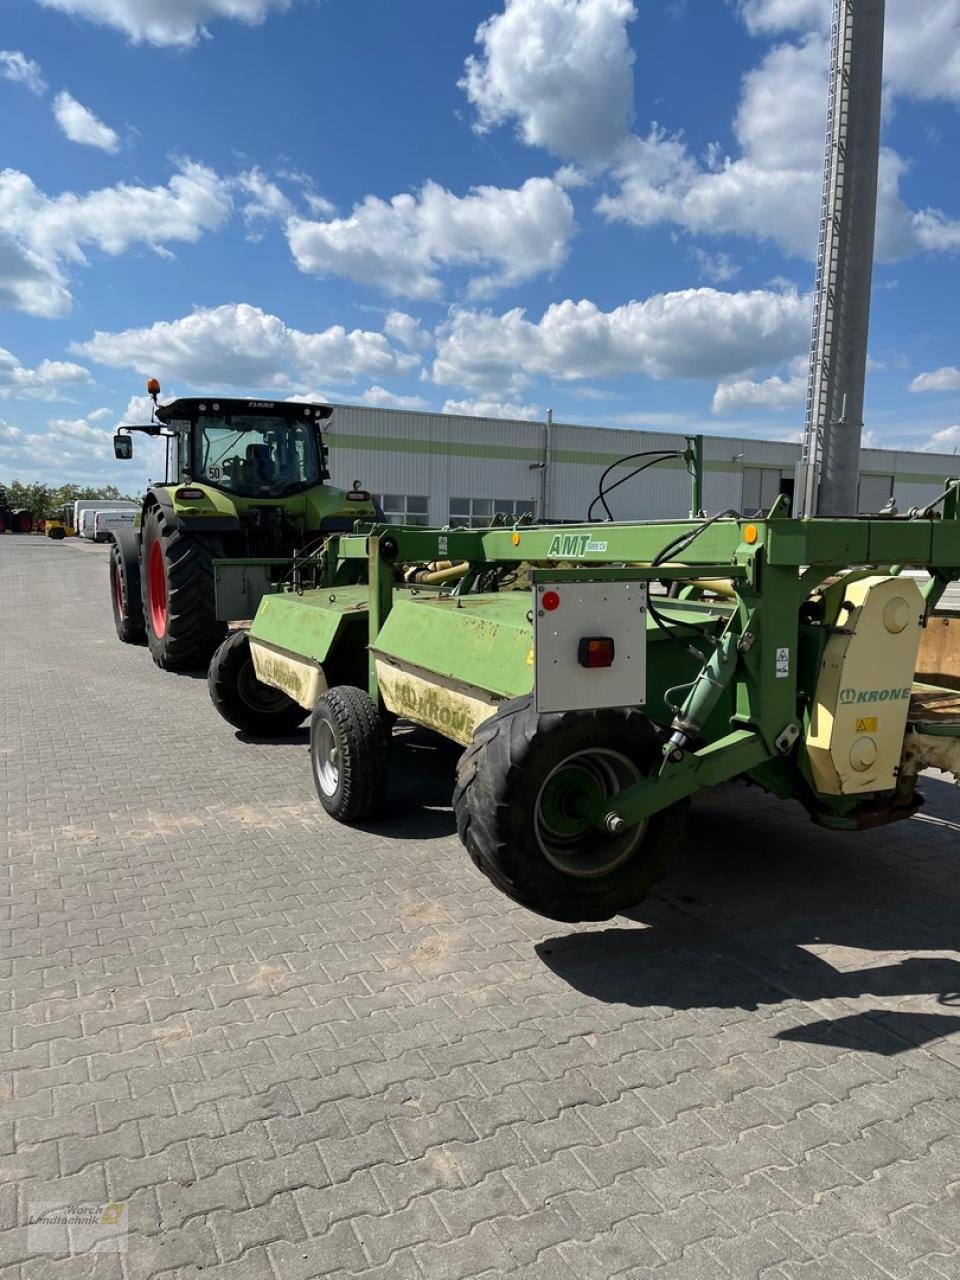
point(564, 833)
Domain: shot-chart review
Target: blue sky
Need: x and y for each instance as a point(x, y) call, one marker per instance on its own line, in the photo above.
point(602, 207)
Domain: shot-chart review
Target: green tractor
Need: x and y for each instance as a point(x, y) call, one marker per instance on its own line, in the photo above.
point(245, 479)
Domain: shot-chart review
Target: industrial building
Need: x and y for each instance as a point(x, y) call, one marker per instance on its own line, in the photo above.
point(437, 469)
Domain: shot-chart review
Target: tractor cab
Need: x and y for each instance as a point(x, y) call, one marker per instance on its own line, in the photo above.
point(247, 448)
point(253, 449)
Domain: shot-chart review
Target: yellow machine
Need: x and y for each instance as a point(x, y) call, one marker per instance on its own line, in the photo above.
point(61, 525)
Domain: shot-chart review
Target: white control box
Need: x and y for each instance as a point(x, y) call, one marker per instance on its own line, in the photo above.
point(567, 616)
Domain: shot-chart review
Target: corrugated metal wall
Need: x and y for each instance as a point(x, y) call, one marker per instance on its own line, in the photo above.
point(443, 456)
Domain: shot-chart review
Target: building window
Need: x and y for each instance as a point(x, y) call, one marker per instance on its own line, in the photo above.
point(477, 513)
point(403, 508)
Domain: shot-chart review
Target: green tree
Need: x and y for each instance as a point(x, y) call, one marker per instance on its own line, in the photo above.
point(42, 500)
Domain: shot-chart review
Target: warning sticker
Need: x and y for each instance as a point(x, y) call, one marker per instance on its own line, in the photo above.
point(783, 664)
point(869, 725)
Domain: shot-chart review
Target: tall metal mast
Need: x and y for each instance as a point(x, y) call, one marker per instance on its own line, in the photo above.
point(830, 460)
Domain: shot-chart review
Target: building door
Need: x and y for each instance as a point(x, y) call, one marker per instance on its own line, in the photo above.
point(875, 493)
point(761, 488)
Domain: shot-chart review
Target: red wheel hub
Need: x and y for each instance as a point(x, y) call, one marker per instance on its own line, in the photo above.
point(157, 590)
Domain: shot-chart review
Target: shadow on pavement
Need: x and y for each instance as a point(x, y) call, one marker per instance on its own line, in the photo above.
point(422, 770)
point(759, 889)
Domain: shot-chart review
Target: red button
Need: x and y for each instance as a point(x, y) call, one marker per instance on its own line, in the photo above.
point(550, 601)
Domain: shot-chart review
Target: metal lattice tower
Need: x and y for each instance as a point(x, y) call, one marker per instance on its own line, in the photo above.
point(830, 460)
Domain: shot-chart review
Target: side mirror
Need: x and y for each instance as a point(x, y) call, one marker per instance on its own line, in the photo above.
point(123, 448)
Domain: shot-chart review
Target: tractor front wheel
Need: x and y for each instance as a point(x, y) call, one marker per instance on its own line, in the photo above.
point(524, 792)
point(349, 754)
point(246, 702)
point(125, 599)
point(182, 627)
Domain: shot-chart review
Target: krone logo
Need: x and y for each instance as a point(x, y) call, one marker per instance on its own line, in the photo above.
point(848, 696)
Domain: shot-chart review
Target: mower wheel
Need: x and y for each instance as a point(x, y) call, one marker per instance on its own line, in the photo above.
point(349, 754)
point(246, 702)
point(125, 598)
point(179, 610)
point(521, 812)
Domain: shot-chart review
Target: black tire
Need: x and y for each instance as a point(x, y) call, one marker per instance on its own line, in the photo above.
point(183, 631)
point(125, 599)
point(56, 535)
point(246, 702)
point(353, 787)
point(568, 871)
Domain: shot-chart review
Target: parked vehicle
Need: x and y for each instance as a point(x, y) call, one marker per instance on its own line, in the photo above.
point(98, 504)
point(243, 478)
point(85, 528)
point(106, 524)
point(60, 526)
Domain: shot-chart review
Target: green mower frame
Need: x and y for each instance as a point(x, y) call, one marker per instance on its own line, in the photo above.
point(739, 654)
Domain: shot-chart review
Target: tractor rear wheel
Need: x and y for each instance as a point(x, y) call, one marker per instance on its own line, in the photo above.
point(182, 626)
point(246, 702)
point(521, 812)
point(125, 598)
point(349, 754)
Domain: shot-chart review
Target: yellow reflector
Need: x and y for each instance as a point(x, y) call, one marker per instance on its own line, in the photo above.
point(516, 539)
point(750, 534)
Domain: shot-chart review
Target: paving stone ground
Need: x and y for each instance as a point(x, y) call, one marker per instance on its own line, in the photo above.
point(296, 1050)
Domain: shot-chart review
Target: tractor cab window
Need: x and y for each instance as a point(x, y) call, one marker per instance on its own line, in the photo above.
point(256, 456)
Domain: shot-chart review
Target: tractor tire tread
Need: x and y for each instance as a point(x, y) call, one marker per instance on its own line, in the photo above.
point(131, 628)
point(492, 778)
point(193, 631)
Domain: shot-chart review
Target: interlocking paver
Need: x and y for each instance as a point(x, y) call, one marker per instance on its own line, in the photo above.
point(297, 1050)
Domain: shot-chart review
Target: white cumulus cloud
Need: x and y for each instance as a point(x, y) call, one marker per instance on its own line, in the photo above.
point(381, 398)
point(771, 189)
point(945, 441)
point(400, 245)
point(945, 379)
point(775, 394)
point(72, 450)
point(47, 382)
point(81, 125)
point(16, 66)
point(694, 333)
point(43, 237)
point(166, 22)
point(561, 69)
point(494, 409)
point(407, 330)
point(922, 41)
point(237, 345)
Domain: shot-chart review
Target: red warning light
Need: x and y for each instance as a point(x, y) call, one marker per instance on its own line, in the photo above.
point(550, 601)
